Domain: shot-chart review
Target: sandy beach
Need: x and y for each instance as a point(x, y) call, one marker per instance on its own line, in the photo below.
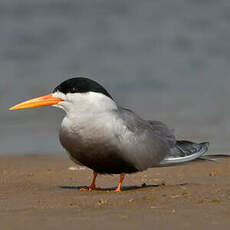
point(41, 192)
point(165, 60)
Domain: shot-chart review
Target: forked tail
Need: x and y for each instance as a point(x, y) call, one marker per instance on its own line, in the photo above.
point(183, 152)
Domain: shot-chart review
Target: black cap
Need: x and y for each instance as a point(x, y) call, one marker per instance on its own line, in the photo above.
point(81, 85)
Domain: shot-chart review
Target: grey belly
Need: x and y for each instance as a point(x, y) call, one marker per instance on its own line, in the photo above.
point(106, 163)
point(104, 159)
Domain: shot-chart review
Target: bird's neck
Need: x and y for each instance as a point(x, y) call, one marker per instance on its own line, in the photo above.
point(91, 109)
point(90, 112)
point(89, 104)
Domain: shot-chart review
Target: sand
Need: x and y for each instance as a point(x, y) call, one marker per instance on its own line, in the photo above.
point(41, 192)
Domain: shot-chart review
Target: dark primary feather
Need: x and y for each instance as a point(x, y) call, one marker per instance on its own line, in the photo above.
point(181, 151)
point(185, 148)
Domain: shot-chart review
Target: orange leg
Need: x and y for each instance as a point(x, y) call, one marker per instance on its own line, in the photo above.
point(93, 185)
point(122, 177)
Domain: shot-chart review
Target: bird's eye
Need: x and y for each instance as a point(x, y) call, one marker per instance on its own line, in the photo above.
point(74, 90)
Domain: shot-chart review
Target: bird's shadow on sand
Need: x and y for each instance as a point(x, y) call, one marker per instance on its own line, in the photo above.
point(124, 188)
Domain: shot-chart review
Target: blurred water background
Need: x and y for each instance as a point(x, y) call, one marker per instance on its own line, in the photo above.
point(167, 60)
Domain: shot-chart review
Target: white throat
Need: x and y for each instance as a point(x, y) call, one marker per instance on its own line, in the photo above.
point(89, 116)
point(85, 104)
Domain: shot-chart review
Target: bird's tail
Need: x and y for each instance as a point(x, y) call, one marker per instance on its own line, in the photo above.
point(183, 152)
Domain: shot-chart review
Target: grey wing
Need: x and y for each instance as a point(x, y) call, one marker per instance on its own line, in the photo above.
point(180, 151)
point(148, 143)
point(162, 130)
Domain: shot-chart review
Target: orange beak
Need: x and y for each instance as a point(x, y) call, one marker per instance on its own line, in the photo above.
point(38, 102)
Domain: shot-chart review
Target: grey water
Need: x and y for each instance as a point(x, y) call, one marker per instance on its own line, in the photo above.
point(167, 60)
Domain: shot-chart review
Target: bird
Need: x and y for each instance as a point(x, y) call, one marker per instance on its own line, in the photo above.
point(108, 138)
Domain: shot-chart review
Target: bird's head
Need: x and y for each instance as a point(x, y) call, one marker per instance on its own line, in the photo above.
point(76, 94)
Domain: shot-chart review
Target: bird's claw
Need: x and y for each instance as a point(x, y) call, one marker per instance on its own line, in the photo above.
point(90, 188)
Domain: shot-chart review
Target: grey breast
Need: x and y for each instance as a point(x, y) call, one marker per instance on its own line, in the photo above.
point(139, 145)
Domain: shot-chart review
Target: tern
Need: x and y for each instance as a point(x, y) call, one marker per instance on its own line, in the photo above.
point(110, 139)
